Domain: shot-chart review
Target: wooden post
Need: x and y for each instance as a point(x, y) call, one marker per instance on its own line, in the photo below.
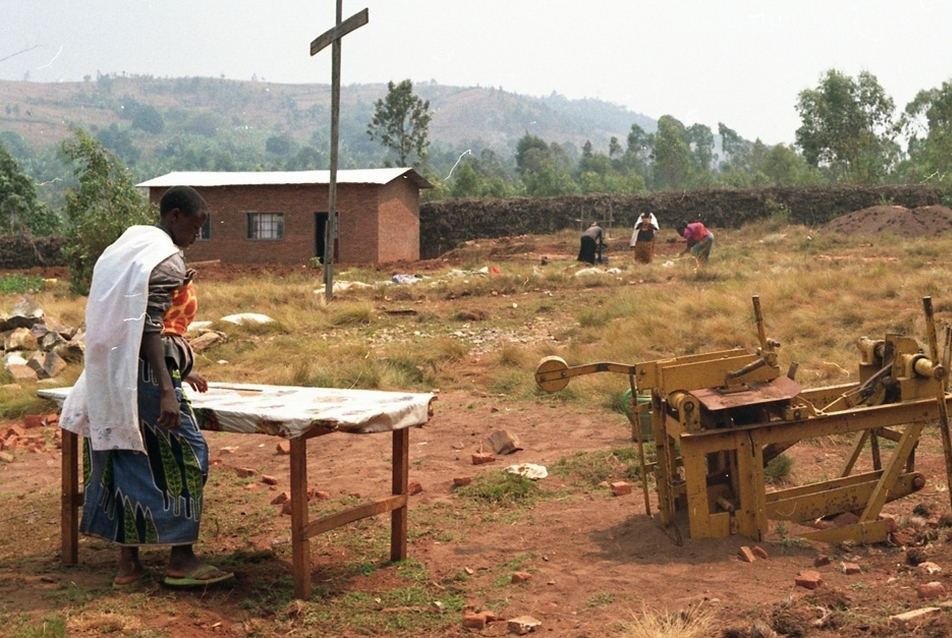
point(69, 498)
point(401, 473)
point(333, 37)
point(300, 545)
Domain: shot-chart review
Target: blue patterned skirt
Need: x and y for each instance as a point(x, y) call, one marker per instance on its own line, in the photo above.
point(150, 498)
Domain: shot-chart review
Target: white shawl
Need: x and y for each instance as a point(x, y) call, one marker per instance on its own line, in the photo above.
point(103, 404)
point(634, 235)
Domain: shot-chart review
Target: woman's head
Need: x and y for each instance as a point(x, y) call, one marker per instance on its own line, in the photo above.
point(183, 213)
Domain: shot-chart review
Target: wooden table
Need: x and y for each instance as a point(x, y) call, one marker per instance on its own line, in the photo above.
point(297, 414)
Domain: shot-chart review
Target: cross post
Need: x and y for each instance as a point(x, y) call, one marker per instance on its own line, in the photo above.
point(333, 37)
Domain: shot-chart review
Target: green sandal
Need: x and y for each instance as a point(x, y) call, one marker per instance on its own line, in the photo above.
point(200, 576)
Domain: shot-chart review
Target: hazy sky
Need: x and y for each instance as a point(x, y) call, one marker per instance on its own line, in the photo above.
point(741, 62)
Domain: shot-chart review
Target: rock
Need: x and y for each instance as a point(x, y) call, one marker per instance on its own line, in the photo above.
point(25, 313)
point(503, 442)
point(72, 351)
point(247, 317)
point(47, 365)
point(462, 481)
point(20, 339)
point(22, 373)
point(929, 568)
point(207, 340)
point(521, 577)
point(908, 617)
point(523, 625)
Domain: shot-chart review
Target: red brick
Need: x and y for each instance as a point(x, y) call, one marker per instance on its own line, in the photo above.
point(33, 421)
point(620, 488)
point(286, 508)
point(15, 430)
point(521, 577)
point(821, 561)
point(462, 481)
point(245, 472)
point(809, 580)
point(283, 497)
point(483, 457)
point(270, 480)
point(850, 568)
point(844, 519)
point(474, 621)
point(931, 591)
point(283, 447)
point(746, 554)
point(760, 552)
point(414, 488)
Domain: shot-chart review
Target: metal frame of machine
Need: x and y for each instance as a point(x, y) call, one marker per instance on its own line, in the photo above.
point(719, 418)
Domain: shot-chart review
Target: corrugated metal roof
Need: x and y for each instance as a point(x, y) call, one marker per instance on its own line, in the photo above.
point(263, 178)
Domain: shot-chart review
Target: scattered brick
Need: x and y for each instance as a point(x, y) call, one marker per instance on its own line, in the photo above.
point(760, 552)
point(462, 481)
point(270, 480)
point(931, 591)
point(245, 472)
point(483, 457)
point(620, 488)
point(15, 430)
point(846, 518)
point(474, 621)
point(286, 508)
point(746, 554)
point(6, 457)
point(414, 487)
point(521, 577)
point(283, 497)
point(321, 495)
point(283, 447)
point(809, 579)
point(33, 421)
point(850, 568)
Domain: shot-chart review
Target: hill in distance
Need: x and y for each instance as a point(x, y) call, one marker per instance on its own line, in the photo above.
point(252, 111)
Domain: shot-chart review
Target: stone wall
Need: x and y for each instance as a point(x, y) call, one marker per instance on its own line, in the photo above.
point(19, 252)
point(446, 224)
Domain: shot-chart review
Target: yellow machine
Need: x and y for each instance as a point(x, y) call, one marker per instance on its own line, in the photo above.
point(719, 418)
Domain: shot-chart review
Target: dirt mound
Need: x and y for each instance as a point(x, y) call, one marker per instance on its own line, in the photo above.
point(923, 221)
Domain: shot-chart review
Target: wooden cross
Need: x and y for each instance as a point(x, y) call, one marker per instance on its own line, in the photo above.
point(333, 37)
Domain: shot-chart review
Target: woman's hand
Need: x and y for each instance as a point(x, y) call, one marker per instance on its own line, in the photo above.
point(197, 381)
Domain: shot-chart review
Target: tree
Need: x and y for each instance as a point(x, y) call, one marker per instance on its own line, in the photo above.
point(928, 122)
point(847, 127)
point(672, 154)
point(401, 122)
point(20, 209)
point(105, 203)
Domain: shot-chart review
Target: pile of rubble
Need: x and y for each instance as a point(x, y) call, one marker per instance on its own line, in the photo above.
point(36, 347)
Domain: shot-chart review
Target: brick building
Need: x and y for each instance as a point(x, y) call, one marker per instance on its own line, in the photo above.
point(280, 217)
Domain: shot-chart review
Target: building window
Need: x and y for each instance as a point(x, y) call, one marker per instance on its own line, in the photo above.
point(206, 230)
point(265, 225)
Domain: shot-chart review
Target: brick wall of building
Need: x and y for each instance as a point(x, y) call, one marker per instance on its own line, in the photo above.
point(377, 224)
point(399, 206)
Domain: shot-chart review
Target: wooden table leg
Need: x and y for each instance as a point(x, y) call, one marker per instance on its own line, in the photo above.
point(401, 474)
point(69, 498)
point(300, 545)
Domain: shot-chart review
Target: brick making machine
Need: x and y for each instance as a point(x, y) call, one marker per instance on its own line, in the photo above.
point(719, 418)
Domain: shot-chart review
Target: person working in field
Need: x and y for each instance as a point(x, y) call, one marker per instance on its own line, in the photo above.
point(592, 238)
point(145, 460)
point(700, 240)
point(642, 239)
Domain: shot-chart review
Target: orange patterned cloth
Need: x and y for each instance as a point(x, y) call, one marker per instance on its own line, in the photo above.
point(182, 311)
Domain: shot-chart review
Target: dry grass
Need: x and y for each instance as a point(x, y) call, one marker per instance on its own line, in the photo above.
point(487, 333)
point(692, 623)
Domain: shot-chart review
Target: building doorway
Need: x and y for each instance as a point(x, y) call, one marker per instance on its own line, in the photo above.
point(320, 227)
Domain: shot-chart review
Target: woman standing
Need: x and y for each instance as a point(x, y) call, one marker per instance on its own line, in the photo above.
point(145, 461)
point(643, 237)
